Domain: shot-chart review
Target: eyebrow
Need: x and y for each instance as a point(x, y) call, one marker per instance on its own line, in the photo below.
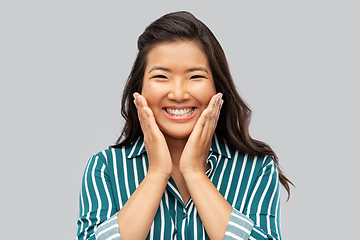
point(188, 70)
point(197, 69)
point(159, 68)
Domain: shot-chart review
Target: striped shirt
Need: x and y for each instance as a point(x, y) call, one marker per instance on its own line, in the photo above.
point(250, 184)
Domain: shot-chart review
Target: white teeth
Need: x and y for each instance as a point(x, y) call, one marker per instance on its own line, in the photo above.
point(180, 112)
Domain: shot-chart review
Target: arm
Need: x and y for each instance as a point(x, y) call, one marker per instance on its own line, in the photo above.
point(137, 215)
point(223, 221)
point(263, 205)
point(205, 197)
point(95, 208)
point(98, 219)
point(261, 213)
point(260, 219)
point(192, 167)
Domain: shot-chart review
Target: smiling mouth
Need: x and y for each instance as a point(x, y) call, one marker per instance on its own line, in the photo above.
point(180, 112)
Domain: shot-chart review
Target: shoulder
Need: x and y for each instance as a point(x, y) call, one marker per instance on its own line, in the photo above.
point(256, 163)
point(120, 154)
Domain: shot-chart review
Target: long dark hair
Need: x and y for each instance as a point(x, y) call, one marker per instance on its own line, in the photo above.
point(234, 120)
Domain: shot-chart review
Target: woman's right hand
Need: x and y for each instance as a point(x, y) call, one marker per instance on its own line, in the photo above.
point(155, 143)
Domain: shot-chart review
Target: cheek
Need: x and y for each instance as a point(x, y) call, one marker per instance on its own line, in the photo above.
point(203, 92)
point(205, 98)
point(152, 94)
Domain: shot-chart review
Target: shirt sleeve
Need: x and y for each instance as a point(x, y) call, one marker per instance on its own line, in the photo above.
point(97, 213)
point(239, 226)
point(260, 218)
point(108, 229)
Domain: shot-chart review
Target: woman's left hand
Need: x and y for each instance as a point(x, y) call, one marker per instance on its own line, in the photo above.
point(194, 155)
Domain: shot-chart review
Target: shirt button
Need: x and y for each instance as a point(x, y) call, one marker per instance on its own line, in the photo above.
point(183, 215)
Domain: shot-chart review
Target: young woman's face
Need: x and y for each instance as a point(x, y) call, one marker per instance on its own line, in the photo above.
point(178, 85)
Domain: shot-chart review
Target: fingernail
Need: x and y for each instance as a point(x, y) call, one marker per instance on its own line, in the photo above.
point(137, 99)
point(218, 97)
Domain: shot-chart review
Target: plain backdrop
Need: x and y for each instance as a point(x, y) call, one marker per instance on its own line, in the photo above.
point(63, 65)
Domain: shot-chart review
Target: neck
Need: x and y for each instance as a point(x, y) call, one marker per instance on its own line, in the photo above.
point(176, 147)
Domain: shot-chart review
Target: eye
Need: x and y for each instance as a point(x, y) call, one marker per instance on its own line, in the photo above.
point(160, 77)
point(197, 77)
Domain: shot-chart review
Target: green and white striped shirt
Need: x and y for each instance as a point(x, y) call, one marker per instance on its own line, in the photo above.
point(250, 185)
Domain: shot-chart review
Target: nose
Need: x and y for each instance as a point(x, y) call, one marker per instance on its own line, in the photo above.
point(179, 91)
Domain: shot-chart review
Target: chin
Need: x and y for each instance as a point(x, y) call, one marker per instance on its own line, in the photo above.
point(176, 135)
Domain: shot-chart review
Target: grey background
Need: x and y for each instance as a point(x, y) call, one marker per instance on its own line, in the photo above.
point(63, 65)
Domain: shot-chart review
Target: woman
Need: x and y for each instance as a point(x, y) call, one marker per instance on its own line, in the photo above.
point(185, 166)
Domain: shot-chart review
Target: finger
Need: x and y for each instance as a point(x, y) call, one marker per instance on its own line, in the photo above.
point(151, 122)
point(210, 109)
point(216, 118)
point(199, 126)
point(146, 112)
point(216, 105)
point(217, 110)
point(149, 125)
point(210, 124)
point(141, 113)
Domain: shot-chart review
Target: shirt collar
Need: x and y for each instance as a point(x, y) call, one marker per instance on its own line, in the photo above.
point(218, 146)
point(137, 147)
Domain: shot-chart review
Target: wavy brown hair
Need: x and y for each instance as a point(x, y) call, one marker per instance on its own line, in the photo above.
point(234, 120)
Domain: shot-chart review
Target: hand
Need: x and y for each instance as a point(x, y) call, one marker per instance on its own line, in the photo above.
point(193, 158)
point(155, 143)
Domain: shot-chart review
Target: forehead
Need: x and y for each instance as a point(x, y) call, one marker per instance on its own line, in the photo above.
point(177, 54)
